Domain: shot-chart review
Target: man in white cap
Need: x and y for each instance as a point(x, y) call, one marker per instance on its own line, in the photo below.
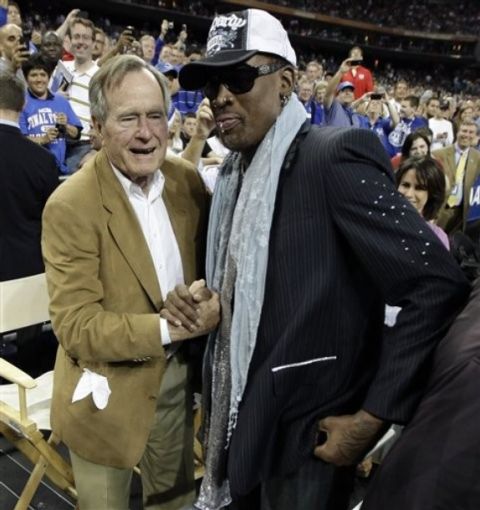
point(308, 239)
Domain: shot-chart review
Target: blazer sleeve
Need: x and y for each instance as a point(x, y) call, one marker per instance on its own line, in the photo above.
point(84, 327)
point(405, 260)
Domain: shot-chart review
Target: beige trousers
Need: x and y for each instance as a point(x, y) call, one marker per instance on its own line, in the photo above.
point(166, 465)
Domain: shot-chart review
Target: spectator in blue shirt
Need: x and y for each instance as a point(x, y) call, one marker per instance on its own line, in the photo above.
point(188, 101)
point(338, 110)
point(318, 110)
point(305, 95)
point(409, 122)
point(47, 119)
point(380, 125)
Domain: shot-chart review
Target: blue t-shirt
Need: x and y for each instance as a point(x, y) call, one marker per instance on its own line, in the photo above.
point(187, 101)
point(39, 114)
point(397, 135)
point(3, 16)
point(318, 114)
point(339, 115)
point(381, 128)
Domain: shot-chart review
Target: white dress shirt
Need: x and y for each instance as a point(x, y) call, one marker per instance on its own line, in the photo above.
point(158, 232)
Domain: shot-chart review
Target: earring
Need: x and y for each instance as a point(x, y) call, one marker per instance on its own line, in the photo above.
point(284, 100)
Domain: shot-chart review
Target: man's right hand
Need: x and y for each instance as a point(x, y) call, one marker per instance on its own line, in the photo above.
point(346, 65)
point(50, 135)
point(72, 15)
point(208, 312)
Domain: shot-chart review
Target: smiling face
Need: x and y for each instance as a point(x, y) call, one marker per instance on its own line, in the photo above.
point(413, 191)
point(82, 42)
point(135, 131)
point(419, 148)
point(37, 81)
point(466, 135)
point(467, 113)
point(305, 91)
point(244, 119)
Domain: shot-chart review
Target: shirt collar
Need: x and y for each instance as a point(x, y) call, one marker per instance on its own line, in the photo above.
point(460, 151)
point(11, 123)
point(31, 94)
point(131, 189)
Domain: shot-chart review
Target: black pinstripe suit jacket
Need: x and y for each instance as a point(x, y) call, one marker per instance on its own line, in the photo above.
point(343, 243)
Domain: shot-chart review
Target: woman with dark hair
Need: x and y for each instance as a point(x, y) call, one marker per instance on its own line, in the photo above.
point(416, 145)
point(422, 182)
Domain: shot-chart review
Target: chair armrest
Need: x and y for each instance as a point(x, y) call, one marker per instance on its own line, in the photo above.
point(15, 375)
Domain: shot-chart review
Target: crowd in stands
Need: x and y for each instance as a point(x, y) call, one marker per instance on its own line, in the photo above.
point(428, 124)
point(450, 17)
point(433, 99)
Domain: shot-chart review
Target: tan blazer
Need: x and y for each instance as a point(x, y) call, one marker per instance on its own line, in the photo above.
point(105, 300)
point(453, 219)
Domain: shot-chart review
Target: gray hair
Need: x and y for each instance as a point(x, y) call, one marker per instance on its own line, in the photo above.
point(12, 92)
point(111, 75)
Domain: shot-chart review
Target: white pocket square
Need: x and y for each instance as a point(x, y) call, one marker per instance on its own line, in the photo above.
point(93, 383)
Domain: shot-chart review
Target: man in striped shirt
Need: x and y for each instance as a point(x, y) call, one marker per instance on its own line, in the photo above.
point(82, 69)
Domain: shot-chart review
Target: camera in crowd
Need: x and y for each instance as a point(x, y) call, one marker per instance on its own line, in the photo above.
point(61, 128)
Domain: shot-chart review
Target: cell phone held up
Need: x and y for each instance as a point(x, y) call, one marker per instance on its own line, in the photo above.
point(356, 62)
point(376, 96)
point(61, 128)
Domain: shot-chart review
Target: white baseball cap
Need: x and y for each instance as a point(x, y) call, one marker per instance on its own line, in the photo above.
point(234, 38)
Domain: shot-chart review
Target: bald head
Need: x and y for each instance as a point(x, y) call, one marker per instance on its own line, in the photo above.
point(10, 36)
point(51, 47)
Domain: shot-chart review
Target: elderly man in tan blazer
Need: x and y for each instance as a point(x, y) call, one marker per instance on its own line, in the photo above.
point(461, 163)
point(118, 236)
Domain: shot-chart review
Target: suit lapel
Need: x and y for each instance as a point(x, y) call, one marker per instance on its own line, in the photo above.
point(452, 164)
point(126, 230)
point(177, 214)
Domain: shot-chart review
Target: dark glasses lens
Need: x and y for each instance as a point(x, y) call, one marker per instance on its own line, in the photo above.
point(240, 79)
point(237, 81)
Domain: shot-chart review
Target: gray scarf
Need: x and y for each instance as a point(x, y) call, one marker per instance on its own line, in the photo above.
point(237, 257)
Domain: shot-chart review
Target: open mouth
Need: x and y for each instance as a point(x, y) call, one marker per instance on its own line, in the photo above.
point(143, 151)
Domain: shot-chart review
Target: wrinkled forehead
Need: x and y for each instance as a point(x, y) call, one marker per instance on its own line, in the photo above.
point(9, 30)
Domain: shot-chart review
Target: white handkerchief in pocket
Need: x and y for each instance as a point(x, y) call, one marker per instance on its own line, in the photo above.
point(93, 383)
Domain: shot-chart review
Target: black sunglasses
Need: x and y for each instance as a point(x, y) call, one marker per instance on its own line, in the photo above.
point(239, 79)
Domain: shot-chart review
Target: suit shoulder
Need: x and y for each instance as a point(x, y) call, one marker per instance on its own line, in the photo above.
point(80, 190)
point(183, 172)
point(332, 140)
point(327, 135)
point(443, 152)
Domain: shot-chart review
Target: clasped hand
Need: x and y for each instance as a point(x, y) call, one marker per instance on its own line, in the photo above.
point(191, 311)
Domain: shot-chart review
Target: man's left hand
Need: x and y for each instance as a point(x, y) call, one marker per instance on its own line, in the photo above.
point(349, 437)
point(181, 307)
point(61, 118)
